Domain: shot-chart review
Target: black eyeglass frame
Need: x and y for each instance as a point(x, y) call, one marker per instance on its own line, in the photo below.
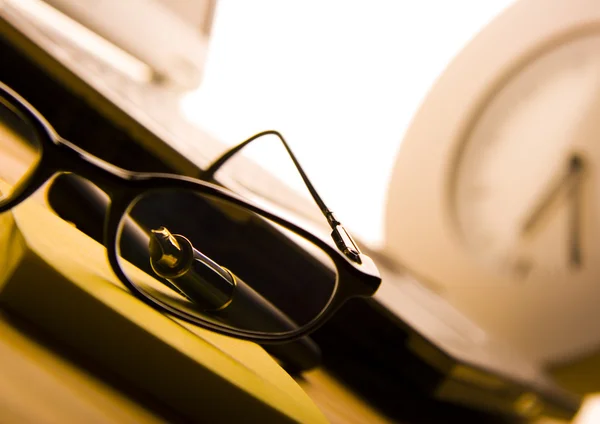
point(355, 278)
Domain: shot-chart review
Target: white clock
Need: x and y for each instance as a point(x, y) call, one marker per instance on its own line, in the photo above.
point(495, 196)
point(522, 191)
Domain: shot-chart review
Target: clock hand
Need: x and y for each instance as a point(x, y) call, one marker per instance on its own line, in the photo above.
point(574, 167)
point(572, 179)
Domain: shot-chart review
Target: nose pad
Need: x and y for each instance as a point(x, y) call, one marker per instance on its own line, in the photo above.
point(80, 202)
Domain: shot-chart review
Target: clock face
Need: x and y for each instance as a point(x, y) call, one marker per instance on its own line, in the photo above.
point(524, 193)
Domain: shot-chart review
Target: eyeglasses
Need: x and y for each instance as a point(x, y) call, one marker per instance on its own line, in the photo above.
point(192, 248)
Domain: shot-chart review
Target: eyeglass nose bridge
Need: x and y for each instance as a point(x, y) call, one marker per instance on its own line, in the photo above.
point(65, 157)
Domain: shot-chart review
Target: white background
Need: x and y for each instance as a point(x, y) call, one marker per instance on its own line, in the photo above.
point(340, 79)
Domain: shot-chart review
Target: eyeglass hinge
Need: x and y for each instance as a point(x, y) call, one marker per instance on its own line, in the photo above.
point(345, 243)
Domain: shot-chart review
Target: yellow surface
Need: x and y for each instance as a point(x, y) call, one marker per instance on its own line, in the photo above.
point(581, 375)
point(38, 386)
point(63, 284)
point(340, 405)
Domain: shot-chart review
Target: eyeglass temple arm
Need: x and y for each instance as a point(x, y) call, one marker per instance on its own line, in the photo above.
point(341, 237)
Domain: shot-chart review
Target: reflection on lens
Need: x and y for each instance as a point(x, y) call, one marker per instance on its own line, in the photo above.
point(20, 149)
point(219, 263)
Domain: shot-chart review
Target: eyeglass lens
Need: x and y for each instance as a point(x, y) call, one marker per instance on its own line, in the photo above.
point(220, 263)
